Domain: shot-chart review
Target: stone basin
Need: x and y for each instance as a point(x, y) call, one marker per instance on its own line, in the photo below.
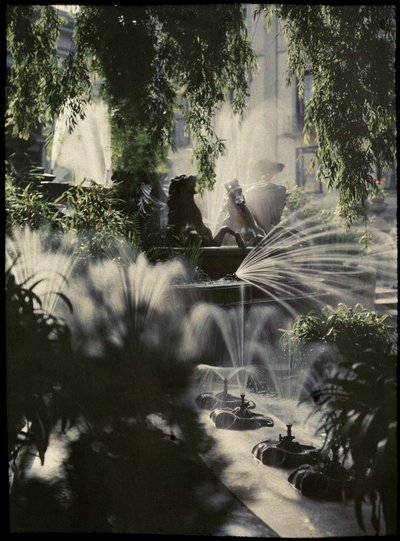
point(222, 292)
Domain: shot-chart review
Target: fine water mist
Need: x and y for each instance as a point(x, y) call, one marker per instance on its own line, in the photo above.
point(250, 154)
point(236, 343)
point(35, 264)
point(290, 261)
point(86, 152)
point(116, 303)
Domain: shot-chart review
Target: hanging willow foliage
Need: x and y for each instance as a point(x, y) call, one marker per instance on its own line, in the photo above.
point(351, 52)
point(143, 55)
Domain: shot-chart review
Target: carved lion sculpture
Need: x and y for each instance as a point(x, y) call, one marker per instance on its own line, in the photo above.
point(184, 216)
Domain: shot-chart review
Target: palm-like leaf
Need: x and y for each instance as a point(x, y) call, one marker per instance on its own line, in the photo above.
point(357, 404)
point(36, 342)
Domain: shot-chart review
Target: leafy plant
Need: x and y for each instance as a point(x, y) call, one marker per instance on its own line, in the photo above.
point(26, 206)
point(192, 252)
point(144, 57)
point(353, 330)
point(356, 400)
point(32, 34)
point(92, 211)
point(358, 407)
point(37, 346)
point(351, 52)
point(296, 200)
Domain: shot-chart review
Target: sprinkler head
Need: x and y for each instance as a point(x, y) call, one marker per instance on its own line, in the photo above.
point(289, 437)
point(240, 418)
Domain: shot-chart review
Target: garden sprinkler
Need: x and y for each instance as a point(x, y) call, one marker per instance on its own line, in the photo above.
point(285, 452)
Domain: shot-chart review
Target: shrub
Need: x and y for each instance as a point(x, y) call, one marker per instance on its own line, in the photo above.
point(36, 345)
point(26, 206)
point(355, 397)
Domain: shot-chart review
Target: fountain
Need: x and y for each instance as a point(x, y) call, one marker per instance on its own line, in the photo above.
point(185, 223)
point(36, 264)
point(285, 452)
point(327, 481)
point(222, 399)
point(294, 264)
point(292, 267)
point(236, 338)
point(240, 418)
point(86, 151)
point(128, 315)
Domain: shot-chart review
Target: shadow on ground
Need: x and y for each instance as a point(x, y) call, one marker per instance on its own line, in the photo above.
point(132, 481)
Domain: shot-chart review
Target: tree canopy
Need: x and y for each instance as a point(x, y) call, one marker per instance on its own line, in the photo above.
point(147, 57)
point(144, 56)
point(351, 53)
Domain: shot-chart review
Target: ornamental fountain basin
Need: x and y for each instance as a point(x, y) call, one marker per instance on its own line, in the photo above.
point(350, 283)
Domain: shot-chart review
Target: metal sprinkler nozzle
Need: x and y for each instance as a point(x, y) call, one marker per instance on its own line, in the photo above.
point(243, 405)
point(225, 386)
point(289, 436)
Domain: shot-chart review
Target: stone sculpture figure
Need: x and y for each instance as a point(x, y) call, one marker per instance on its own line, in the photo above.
point(238, 216)
point(266, 201)
point(184, 216)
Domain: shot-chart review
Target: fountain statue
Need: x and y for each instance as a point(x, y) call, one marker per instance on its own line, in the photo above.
point(255, 213)
point(184, 216)
point(267, 202)
point(238, 216)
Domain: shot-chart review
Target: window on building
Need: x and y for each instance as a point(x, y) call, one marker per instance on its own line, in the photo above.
point(305, 175)
point(301, 101)
point(180, 138)
point(37, 151)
